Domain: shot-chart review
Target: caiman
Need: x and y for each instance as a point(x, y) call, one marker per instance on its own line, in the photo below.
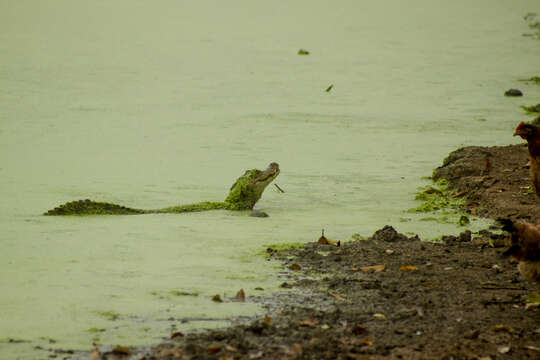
point(243, 195)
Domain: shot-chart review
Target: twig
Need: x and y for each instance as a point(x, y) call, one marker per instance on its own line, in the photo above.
point(280, 189)
point(494, 285)
point(487, 287)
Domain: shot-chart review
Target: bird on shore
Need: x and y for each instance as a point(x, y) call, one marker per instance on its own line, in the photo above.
point(524, 245)
point(531, 133)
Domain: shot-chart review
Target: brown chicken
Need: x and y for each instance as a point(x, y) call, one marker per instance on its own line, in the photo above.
point(531, 133)
point(524, 245)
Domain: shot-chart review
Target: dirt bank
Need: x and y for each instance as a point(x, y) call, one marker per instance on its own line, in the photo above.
point(391, 296)
point(494, 180)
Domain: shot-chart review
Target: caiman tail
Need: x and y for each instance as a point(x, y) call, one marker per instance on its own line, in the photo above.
point(89, 207)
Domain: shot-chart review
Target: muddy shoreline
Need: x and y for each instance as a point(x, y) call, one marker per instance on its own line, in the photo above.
point(494, 181)
point(392, 296)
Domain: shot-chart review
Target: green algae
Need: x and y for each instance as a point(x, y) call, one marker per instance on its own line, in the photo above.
point(438, 240)
point(446, 219)
point(94, 330)
point(440, 219)
point(242, 195)
point(535, 26)
point(273, 248)
point(442, 202)
point(436, 197)
point(530, 19)
point(533, 109)
point(173, 293)
point(286, 246)
point(109, 315)
point(13, 340)
point(464, 220)
point(183, 293)
point(89, 207)
point(196, 207)
point(357, 237)
point(532, 79)
point(242, 277)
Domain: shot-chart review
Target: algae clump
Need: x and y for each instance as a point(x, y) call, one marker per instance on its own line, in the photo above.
point(438, 199)
point(275, 248)
point(533, 109)
point(183, 293)
point(94, 330)
point(109, 315)
point(357, 237)
point(533, 79)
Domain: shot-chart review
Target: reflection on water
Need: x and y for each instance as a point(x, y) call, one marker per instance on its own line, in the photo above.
point(151, 105)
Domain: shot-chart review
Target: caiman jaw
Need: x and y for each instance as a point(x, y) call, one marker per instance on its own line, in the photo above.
point(266, 176)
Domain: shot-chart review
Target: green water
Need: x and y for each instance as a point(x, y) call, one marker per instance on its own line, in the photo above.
point(152, 104)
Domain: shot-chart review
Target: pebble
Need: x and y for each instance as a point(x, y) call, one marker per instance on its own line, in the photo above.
point(258, 213)
point(513, 92)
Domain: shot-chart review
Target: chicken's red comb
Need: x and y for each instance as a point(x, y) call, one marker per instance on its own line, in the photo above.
point(521, 124)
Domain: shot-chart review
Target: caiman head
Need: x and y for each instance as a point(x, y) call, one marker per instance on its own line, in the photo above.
point(248, 188)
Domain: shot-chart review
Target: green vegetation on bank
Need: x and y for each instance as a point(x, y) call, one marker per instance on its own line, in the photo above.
point(442, 202)
point(436, 197)
point(109, 315)
point(284, 246)
point(533, 109)
point(272, 248)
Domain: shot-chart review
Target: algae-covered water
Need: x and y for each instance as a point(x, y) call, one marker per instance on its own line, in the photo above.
point(152, 104)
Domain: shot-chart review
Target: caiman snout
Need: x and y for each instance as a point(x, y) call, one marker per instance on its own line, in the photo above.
point(273, 167)
point(271, 172)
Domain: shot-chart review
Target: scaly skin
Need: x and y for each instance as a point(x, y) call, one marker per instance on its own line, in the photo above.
point(244, 194)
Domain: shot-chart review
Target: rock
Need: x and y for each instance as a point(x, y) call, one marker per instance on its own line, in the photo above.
point(388, 234)
point(465, 236)
point(464, 162)
point(513, 92)
point(258, 213)
point(415, 238)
